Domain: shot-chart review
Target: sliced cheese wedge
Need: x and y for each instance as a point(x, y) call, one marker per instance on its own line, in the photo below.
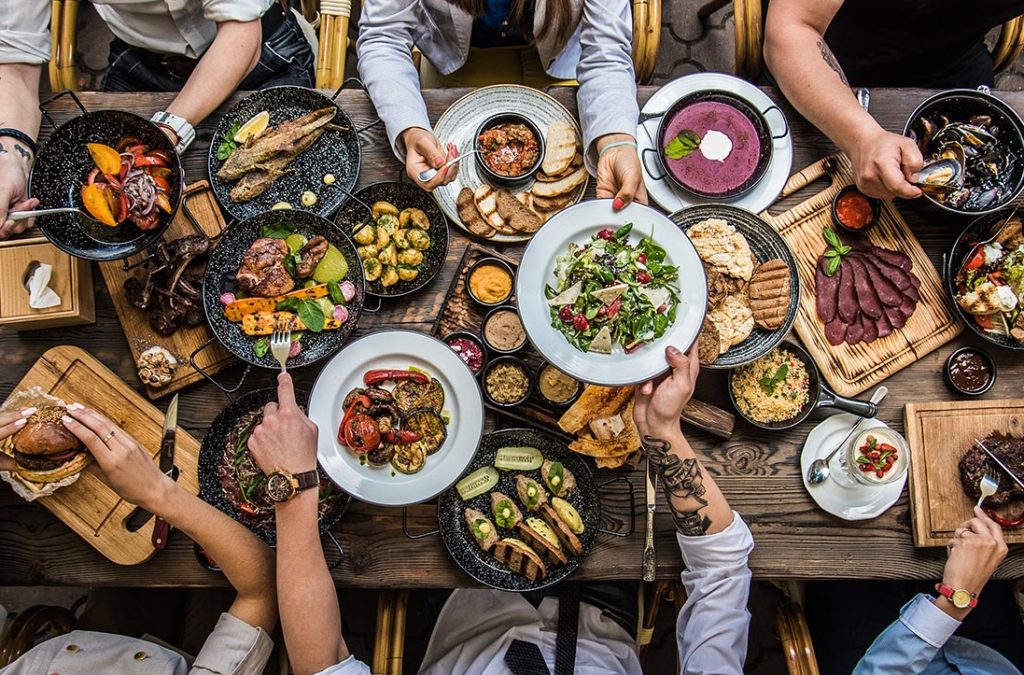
point(602, 343)
point(568, 296)
point(657, 296)
point(607, 295)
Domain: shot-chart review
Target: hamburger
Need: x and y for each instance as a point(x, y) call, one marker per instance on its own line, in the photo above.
point(45, 451)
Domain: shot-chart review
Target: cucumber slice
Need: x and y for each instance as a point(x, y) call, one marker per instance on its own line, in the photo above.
point(477, 483)
point(518, 459)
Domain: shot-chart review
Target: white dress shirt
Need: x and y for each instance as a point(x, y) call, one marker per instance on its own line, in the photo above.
point(184, 27)
point(476, 627)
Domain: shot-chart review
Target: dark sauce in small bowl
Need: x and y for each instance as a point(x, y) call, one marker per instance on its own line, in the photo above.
point(970, 371)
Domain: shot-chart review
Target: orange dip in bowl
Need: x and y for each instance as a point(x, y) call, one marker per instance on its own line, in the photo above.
point(490, 284)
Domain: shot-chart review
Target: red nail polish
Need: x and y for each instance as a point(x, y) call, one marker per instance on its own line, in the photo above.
point(618, 203)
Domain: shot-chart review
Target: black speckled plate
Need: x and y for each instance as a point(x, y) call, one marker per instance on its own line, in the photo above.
point(403, 196)
point(980, 229)
point(227, 257)
point(212, 451)
point(61, 168)
point(336, 152)
point(458, 539)
point(766, 244)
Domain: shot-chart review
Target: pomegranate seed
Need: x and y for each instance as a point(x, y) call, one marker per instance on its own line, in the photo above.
point(643, 277)
point(606, 234)
point(580, 323)
point(661, 308)
point(565, 314)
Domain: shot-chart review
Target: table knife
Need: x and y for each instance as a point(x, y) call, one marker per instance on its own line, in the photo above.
point(162, 529)
point(650, 562)
point(1000, 463)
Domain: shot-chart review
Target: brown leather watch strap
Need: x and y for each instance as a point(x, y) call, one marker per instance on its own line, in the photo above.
point(306, 480)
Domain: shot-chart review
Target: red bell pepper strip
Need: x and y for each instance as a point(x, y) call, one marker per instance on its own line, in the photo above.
point(361, 400)
point(1005, 522)
point(375, 377)
point(402, 437)
point(150, 160)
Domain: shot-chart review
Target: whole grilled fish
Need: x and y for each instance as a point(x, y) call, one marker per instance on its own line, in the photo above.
point(285, 140)
point(256, 182)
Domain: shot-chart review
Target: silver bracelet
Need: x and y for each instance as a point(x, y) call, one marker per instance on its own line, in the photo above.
point(616, 144)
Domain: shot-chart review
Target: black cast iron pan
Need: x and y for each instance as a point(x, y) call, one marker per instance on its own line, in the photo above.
point(225, 261)
point(403, 195)
point(336, 153)
point(211, 457)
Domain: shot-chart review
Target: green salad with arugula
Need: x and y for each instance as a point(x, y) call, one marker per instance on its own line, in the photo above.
point(610, 292)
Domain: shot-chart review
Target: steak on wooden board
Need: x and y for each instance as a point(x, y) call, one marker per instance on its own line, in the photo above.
point(975, 464)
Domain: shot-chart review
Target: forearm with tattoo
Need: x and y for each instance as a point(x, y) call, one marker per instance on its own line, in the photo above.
point(683, 482)
point(23, 152)
point(830, 58)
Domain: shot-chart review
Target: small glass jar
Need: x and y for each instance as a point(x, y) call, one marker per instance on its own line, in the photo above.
point(870, 448)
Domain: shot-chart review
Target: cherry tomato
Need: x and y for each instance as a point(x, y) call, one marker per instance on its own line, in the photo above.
point(362, 433)
point(606, 234)
point(643, 277)
point(565, 314)
point(977, 260)
point(614, 308)
point(580, 323)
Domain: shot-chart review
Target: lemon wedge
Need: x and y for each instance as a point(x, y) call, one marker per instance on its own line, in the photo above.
point(254, 127)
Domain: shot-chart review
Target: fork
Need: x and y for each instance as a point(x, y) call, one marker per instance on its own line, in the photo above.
point(988, 487)
point(281, 345)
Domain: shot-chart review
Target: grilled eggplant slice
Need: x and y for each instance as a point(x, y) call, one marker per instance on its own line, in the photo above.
point(411, 395)
point(409, 458)
point(519, 558)
point(429, 425)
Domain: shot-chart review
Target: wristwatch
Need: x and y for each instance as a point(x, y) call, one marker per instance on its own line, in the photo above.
point(181, 127)
point(282, 485)
point(960, 598)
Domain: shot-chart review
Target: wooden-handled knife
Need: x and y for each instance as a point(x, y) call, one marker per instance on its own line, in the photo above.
point(650, 561)
point(162, 529)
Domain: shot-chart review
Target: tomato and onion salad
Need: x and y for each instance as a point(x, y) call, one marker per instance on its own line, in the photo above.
point(129, 182)
point(509, 149)
point(876, 457)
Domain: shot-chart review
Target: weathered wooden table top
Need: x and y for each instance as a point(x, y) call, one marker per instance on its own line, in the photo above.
point(758, 471)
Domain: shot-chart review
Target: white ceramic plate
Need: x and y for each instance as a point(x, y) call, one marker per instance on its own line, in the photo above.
point(398, 349)
point(667, 195)
point(577, 224)
point(859, 503)
point(458, 125)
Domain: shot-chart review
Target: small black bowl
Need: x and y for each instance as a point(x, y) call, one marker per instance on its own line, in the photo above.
point(497, 362)
point(985, 358)
point(476, 339)
point(498, 179)
point(483, 329)
point(556, 404)
point(876, 208)
point(490, 261)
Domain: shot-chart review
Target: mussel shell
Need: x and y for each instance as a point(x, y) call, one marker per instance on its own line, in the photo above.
point(942, 175)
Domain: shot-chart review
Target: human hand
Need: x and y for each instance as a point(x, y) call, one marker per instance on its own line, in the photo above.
point(423, 151)
point(619, 174)
point(122, 463)
point(286, 438)
point(656, 408)
point(975, 551)
point(885, 163)
point(10, 422)
point(15, 163)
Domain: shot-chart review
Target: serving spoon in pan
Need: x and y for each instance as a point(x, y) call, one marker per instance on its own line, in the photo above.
point(22, 215)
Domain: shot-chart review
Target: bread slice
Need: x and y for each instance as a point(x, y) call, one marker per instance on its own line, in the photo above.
point(562, 186)
point(551, 204)
point(470, 215)
point(519, 558)
point(565, 535)
point(487, 205)
point(540, 544)
point(560, 148)
point(515, 215)
point(768, 291)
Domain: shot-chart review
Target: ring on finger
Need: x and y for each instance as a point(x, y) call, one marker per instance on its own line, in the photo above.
point(110, 434)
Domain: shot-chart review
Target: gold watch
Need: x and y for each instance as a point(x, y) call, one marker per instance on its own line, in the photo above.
point(282, 485)
point(960, 598)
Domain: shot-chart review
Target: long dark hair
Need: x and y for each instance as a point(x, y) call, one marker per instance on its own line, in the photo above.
point(559, 17)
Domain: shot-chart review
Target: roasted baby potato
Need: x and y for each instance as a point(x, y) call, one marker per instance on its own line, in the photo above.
point(366, 252)
point(372, 269)
point(410, 257)
point(382, 238)
point(419, 239)
point(389, 224)
point(414, 218)
point(400, 239)
point(407, 273)
point(388, 255)
point(389, 277)
point(366, 234)
point(384, 208)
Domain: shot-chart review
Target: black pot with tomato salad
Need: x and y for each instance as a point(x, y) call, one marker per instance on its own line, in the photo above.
point(511, 149)
point(118, 168)
point(853, 211)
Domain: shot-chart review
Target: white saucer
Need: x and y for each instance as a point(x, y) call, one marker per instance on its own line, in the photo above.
point(670, 198)
point(860, 503)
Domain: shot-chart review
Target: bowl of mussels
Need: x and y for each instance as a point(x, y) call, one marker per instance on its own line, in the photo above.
point(973, 149)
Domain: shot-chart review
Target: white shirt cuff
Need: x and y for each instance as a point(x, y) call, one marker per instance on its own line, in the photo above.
point(726, 548)
point(927, 621)
point(350, 666)
point(234, 647)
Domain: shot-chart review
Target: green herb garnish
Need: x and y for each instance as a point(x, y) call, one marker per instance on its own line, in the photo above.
point(682, 145)
point(261, 347)
point(279, 230)
point(334, 291)
point(770, 383)
point(228, 145)
point(309, 311)
point(835, 252)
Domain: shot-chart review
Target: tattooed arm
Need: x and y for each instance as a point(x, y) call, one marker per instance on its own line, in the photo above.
point(19, 109)
point(811, 78)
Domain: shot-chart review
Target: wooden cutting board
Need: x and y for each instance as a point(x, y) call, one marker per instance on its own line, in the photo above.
point(199, 214)
point(939, 434)
point(850, 369)
point(88, 506)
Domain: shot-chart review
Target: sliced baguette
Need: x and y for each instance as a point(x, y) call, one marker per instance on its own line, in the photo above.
point(560, 187)
point(470, 215)
point(519, 558)
point(487, 205)
point(540, 544)
point(515, 214)
point(560, 148)
point(565, 535)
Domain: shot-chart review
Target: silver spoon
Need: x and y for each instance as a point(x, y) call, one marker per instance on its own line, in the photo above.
point(818, 471)
point(22, 215)
point(427, 175)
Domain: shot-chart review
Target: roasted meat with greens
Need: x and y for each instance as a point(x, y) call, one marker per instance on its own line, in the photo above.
point(263, 272)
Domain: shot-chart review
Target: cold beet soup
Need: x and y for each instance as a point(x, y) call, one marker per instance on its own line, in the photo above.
point(728, 152)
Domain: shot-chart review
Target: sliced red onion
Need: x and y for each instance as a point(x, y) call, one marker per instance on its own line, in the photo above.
point(227, 298)
point(340, 314)
point(295, 350)
point(348, 290)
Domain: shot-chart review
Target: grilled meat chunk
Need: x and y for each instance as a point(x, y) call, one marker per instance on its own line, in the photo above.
point(262, 272)
point(310, 256)
point(975, 464)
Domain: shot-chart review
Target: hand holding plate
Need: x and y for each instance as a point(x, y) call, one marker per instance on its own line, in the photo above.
point(656, 408)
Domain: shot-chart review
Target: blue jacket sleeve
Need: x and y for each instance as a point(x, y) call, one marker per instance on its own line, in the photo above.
point(911, 642)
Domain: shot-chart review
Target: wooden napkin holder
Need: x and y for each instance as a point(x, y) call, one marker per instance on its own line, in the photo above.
point(71, 280)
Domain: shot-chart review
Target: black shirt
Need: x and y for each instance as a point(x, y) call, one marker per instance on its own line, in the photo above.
point(917, 43)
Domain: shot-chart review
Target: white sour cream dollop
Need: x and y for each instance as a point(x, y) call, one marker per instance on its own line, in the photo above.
point(1005, 299)
point(715, 146)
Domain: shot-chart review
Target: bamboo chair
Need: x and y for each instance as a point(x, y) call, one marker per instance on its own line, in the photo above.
point(31, 627)
point(749, 30)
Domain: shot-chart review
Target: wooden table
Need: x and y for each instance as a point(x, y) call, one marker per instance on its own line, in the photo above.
point(759, 472)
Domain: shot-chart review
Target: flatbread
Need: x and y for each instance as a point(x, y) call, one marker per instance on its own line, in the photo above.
point(595, 402)
point(709, 345)
point(722, 247)
point(470, 216)
point(734, 321)
point(560, 147)
point(562, 186)
point(515, 214)
point(577, 162)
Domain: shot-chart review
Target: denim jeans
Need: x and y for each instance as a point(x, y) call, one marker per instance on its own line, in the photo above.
point(286, 59)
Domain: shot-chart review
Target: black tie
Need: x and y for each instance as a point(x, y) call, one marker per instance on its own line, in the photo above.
point(525, 658)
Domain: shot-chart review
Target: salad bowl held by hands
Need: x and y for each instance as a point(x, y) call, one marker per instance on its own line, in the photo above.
point(602, 293)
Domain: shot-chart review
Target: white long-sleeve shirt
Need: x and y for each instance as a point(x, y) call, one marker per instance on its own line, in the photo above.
point(476, 627)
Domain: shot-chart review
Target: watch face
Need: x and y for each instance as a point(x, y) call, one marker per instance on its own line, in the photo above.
point(961, 599)
point(279, 487)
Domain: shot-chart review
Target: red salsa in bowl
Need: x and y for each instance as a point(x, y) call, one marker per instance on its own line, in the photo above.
point(853, 211)
point(510, 149)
